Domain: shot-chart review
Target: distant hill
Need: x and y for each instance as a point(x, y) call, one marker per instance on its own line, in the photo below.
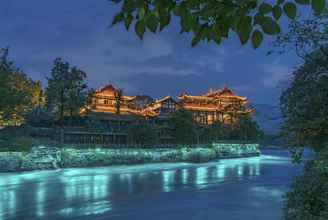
point(268, 117)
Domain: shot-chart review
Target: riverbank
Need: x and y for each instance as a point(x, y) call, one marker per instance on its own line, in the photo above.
point(43, 158)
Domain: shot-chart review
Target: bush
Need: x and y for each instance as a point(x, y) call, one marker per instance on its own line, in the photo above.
point(142, 133)
point(22, 144)
point(308, 198)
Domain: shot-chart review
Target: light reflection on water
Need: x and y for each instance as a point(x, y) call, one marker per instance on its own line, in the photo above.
point(80, 192)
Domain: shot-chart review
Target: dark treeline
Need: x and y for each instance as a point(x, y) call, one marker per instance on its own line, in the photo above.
point(182, 128)
point(304, 104)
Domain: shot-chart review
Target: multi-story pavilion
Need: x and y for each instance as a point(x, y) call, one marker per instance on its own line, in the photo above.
point(215, 105)
point(116, 111)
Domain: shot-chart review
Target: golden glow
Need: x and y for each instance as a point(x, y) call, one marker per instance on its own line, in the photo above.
point(215, 105)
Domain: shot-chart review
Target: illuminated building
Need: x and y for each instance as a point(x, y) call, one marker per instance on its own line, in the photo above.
point(115, 111)
point(215, 105)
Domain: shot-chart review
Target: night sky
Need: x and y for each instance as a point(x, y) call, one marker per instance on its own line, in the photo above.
point(38, 31)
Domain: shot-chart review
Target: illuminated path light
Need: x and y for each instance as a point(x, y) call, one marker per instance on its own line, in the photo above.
point(248, 187)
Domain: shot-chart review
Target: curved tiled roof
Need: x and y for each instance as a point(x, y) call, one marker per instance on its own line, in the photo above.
point(109, 88)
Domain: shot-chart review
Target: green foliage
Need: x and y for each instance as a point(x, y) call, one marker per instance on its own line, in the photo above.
point(40, 117)
point(276, 12)
point(257, 38)
point(290, 10)
point(243, 129)
point(184, 129)
point(304, 104)
point(215, 132)
point(142, 133)
point(140, 29)
point(318, 5)
point(21, 144)
point(265, 8)
point(67, 91)
point(244, 29)
point(246, 129)
point(16, 138)
point(208, 20)
point(304, 35)
point(269, 26)
point(18, 93)
point(308, 197)
point(303, 2)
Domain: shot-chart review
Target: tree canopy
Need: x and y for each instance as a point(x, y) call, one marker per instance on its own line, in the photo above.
point(142, 133)
point(18, 93)
point(67, 90)
point(308, 197)
point(183, 127)
point(245, 128)
point(212, 20)
point(304, 36)
point(304, 103)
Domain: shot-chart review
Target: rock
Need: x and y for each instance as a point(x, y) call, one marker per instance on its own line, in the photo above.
point(42, 158)
point(10, 161)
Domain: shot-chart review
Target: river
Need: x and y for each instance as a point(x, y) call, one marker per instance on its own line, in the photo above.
point(231, 189)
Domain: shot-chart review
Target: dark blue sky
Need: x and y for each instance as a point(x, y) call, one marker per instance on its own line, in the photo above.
point(38, 31)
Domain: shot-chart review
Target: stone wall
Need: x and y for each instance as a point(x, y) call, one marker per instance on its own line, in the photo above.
point(40, 158)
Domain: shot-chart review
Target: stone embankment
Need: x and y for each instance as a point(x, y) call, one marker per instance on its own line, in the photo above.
point(43, 158)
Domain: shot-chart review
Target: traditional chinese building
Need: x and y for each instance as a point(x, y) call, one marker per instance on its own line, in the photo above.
point(215, 105)
point(115, 111)
point(109, 100)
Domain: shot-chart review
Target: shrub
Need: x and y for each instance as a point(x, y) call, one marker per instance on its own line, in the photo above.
point(22, 144)
point(308, 197)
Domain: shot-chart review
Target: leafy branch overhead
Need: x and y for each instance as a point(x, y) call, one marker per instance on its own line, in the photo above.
point(211, 20)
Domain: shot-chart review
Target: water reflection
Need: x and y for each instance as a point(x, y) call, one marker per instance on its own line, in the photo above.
point(201, 176)
point(80, 192)
point(40, 199)
point(168, 180)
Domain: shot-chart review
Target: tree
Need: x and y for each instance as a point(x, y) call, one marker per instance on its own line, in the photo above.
point(67, 91)
point(40, 117)
point(18, 93)
point(211, 20)
point(304, 36)
point(142, 133)
point(184, 129)
point(304, 107)
point(304, 104)
point(308, 197)
point(214, 132)
point(77, 91)
point(246, 129)
point(118, 99)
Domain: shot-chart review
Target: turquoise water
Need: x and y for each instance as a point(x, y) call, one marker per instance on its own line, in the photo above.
point(249, 188)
